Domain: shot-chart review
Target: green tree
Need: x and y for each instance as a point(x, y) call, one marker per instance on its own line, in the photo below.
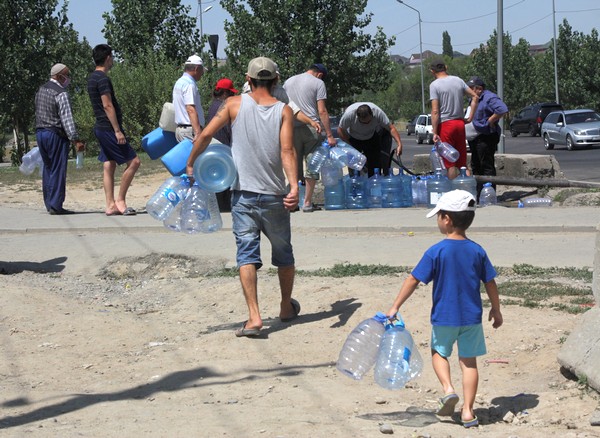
point(136, 28)
point(447, 45)
point(314, 31)
point(34, 37)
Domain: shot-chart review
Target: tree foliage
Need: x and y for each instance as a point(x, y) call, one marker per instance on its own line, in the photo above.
point(447, 45)
point(135, 28)
point(298, 33)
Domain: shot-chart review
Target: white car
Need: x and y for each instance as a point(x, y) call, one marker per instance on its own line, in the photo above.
point(423, 129)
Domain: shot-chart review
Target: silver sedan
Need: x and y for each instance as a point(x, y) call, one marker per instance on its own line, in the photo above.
point(572, 128)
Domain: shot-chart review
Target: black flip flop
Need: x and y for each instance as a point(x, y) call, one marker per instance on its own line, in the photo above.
point(296, 306)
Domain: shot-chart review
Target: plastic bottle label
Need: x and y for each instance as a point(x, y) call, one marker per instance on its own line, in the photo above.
point(172, 196)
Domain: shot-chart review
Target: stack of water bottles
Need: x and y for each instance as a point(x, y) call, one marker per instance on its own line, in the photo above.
point(193, 208)
point(385, 344)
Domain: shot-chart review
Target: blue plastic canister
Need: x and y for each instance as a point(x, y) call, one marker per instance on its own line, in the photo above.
point(158, 142)
point(214, 168)
point(176, 159)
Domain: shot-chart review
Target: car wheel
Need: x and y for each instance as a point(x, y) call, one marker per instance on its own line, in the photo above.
point(430, 139)
point(419, 139)
point(547, 145)
point(532, 131)
point(513, 133)
point(570, 145)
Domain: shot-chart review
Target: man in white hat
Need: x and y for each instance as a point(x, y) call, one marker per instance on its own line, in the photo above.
point(263, 154)
point(55, 127)
point(189, 115)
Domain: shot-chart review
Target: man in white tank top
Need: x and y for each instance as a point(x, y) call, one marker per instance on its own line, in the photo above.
point(264, 156)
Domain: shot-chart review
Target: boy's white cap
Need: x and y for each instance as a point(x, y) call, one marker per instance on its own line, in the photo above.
point(456, 200)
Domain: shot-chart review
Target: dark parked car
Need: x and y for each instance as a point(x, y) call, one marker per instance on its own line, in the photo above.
point(410, 126)
point(530, 118)
point(572, 128)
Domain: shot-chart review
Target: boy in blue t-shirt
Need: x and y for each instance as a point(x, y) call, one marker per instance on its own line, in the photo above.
point(456, 265)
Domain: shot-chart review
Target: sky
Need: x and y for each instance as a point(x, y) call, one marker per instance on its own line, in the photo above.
point(467, 25)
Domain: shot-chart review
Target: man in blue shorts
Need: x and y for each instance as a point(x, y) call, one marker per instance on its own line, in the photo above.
point(457, 267)
point(114, 147)
point(263, 154)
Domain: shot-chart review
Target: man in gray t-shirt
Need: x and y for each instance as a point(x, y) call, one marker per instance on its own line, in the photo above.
point(447, 95)
point(368, 129)
point(307, 90)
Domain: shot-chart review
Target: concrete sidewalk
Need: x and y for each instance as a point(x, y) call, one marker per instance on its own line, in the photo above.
point(554, 236)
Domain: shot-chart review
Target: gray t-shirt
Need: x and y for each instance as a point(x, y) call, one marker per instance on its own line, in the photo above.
point(363, 131)
point(450, 92)
point(305, 90)
point(256, 148)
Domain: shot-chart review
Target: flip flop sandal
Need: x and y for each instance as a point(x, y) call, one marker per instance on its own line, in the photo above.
point(129, 212)
point(470, 423)
point(247, 332)
point(446, 405)
point(296, 307)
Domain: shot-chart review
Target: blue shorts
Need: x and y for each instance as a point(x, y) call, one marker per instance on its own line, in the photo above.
point(253, 213)
point(110, 150)
point(470, 339)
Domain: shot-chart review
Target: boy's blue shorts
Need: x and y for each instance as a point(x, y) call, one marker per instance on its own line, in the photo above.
point(110, 150)
point(470, 339)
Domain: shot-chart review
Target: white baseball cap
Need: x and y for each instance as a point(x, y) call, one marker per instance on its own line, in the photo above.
point(194, 60)
point(456, 200)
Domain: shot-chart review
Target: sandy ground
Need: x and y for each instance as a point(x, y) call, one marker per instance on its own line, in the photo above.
point(145, 347)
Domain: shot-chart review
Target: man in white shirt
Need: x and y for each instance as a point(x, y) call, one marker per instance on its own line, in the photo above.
point(189, 115)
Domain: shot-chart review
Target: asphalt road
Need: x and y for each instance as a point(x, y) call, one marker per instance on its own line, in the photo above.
point(577, 165)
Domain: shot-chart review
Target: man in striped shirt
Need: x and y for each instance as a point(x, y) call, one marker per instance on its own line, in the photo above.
point(55, 127)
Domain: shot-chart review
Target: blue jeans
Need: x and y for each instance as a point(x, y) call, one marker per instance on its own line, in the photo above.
point(253, 213)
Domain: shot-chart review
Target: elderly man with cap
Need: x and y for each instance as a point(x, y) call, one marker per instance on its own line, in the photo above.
point(189, 115)
point(447, 115)
point(485, 121)
point(307, 90)
point(263, 154)
point(55, 127)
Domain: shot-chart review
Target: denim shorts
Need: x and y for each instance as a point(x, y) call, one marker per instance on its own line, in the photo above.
point(253, 214)
point(470, 339)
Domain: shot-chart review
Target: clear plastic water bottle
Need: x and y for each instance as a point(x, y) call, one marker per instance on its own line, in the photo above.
point(436, 187)
point(164, 200)
point(173, 220)
point(335, 197)
point(419, 190)
point(406, 189)
point(194, 210)
point(214, 168)
point(391, 191)
point(487, 195)
point(465, 182)
point(318, 157)
point(30, 161)
point(339, 155)
point(79, 160)
point(374, 190)
point(213, 222)
point(356, 191)
point(331, 173)
point(301, 193)
point(436, 160)
point(360, 350)
point(447, 151)
point(356, 160)
point(398, 360)
point(535, 202)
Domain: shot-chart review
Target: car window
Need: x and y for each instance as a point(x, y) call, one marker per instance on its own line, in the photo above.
point(421, 120)
point(429, 120)
point(588, 116)
point(552, 118)
point(560, 119)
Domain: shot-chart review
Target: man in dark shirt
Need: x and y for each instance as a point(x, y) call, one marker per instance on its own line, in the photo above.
point(114, 147)
point(54, 126)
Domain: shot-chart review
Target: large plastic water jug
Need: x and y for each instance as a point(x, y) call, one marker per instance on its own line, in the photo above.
point(194, 210)
point(176, 159)
point(391, 191)
point(361, 347)
point(214, 169)
point(374, 190)
point(213, 222)
point(447, 151)
point(318, 157)
point(354, 159)
point(487, 195)
point(158, 142)
point(331, 173)
point(465, 182)
point(398, 360)
point(419, 191)
point(30, 161)
point(166, 198)
point(167, 118)
point(356, 191)
point(406, 188)
point(436, 187)
point(436, 160)
point(335, 197)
